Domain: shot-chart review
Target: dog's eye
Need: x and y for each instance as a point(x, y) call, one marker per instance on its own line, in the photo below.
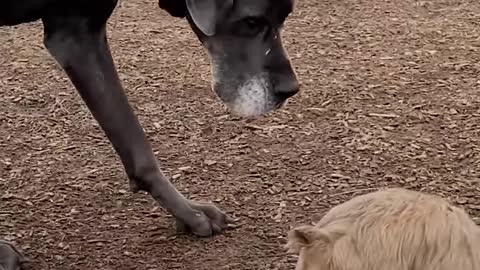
point(253, 26)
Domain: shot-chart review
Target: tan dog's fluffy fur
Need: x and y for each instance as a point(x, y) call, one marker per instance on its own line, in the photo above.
point(393, 229)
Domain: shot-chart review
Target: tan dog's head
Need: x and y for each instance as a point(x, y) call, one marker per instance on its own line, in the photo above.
point(394, 229)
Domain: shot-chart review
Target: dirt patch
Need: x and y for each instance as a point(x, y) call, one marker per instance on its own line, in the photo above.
point(390, 97)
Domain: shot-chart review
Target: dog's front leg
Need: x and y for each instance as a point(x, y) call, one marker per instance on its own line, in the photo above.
point(79, 44)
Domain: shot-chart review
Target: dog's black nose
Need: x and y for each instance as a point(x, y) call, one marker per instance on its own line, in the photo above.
point(287, 89)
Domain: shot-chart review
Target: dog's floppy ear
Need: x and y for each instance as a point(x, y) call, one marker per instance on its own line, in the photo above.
point(308, 235)
point(176, 8)
point(305, 236)
point(206, 13)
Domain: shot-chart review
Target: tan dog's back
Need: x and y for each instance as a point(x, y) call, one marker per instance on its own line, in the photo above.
point(394, 229)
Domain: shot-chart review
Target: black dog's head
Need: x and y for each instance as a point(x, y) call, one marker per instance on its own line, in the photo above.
point(251, 70)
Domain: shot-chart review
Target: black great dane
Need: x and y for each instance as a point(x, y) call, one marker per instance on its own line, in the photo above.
point(251, 74)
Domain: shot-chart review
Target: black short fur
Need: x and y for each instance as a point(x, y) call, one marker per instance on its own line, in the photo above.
point(174, 8)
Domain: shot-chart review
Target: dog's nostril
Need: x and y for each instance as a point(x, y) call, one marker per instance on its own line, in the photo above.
point(287, 89)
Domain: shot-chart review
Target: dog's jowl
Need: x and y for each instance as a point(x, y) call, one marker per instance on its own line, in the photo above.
point(251, 74)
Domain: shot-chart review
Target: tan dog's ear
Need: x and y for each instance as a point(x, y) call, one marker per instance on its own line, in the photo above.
point(304, 236)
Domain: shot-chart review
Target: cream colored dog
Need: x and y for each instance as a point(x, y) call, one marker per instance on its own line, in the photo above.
point(393, 229)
